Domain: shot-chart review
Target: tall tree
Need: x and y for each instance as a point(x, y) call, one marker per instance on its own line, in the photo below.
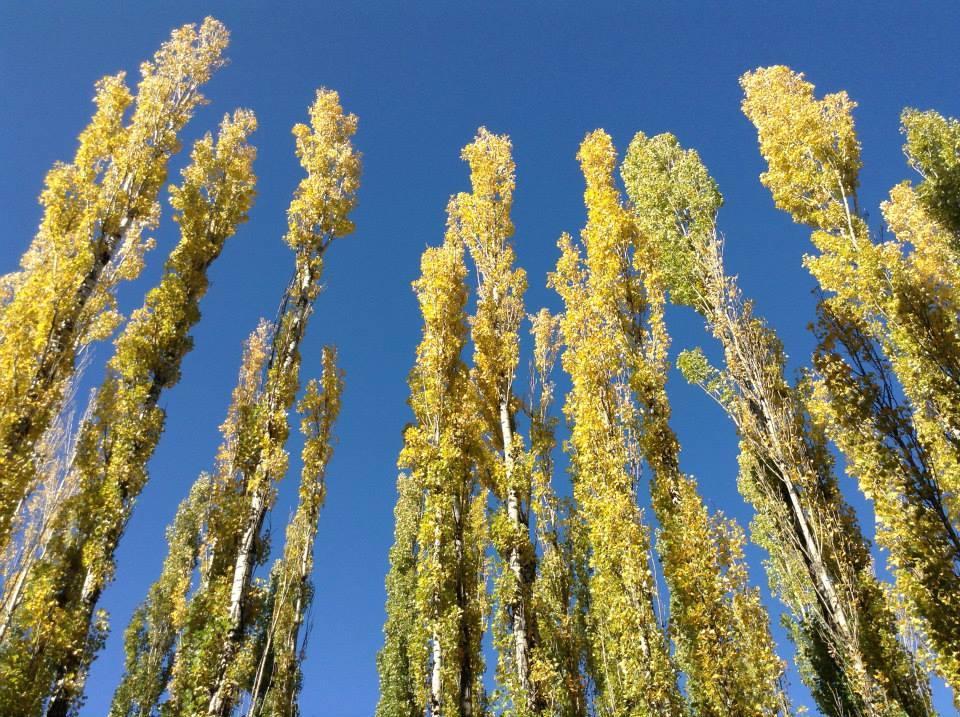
point(889, 323)
point(151, 635)
point(720, 629)
point(559, 591)
point(277, 679)
point(483, 222)
point(54, 630)
point(933, 150)
point(400, 693)
point(441, 451)
point(629, 656)
point(819, 563)
point(95, 210)
point(155, 628)
point(216, 652)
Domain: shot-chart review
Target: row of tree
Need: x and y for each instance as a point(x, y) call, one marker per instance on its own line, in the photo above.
point(570, 585)
point(579, 624)
point(211, 637)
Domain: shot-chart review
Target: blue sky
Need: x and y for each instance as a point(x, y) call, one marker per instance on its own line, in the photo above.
point(422, 77)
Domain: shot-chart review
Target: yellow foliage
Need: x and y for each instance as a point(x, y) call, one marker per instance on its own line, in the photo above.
point(888, 323)
point(90, 238)
point(629, 657)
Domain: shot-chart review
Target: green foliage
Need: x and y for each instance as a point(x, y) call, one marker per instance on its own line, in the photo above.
point(675, 207)
point(151, 635)
point(399, 693)
point(933, 150)
point(720, 633)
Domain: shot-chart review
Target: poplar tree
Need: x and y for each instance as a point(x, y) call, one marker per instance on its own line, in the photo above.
point(933, 150)
point(95, 210)
point(533, 676)
point(440, 454)
point(430, 661)
point(216, 653)
point(54, 628)
point(889, 322)
point(151, 635)
point(151, 638)
point(156, 625)
point(720, 629)
point(277, 680)
point(559, 592)
point(400, 693)
point(818, 561)
point(483, 222)
point(629, 656)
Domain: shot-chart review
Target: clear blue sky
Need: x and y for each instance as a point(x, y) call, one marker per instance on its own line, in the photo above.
point(422, 77)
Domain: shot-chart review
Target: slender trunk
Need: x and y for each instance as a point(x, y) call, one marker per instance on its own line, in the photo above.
point(221, 700)
point(781, 449)
point(296, 308)
point(465, 692)
point(288, 641)
point(518, 609)
point(436, 683)
point(261, 680)
point(774, 425)
point(11, 598)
